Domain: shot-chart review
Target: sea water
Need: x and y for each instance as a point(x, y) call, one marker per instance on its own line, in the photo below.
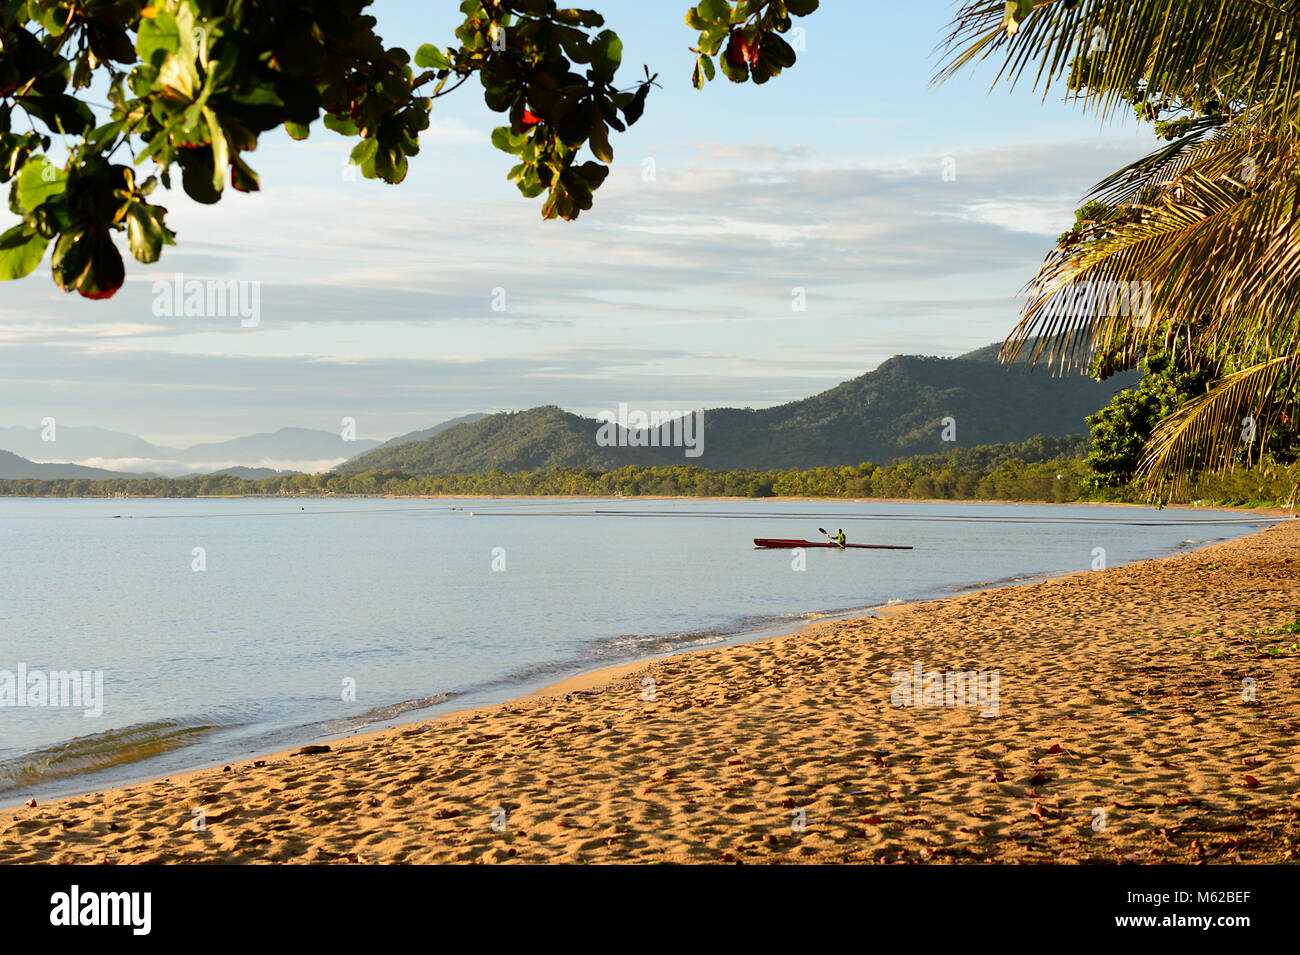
point(220, 629)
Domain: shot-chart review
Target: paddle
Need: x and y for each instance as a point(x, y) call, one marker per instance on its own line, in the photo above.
point(828, 536)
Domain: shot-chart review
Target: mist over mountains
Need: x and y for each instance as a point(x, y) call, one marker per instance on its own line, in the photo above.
point(120, 454)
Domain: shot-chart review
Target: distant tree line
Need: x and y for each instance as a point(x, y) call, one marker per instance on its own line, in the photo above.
point(1049, 469)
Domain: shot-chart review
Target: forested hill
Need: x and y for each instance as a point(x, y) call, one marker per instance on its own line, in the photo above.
point(894, 411)
point(532, 440)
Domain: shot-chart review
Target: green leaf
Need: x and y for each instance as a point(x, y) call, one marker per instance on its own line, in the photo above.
point(97, 137)
point(633, 110)
point(736, 72)
point(242, 176)
point(711, 39)
point(390, 164)
point(775, 53)
point(59, 111)
point(68, 261)
point(586, 18)
point(608, 49)
point(506, 141)
point(198, 175)
point(715, 10)
point(145, 232)
point(364, 151)
point(39, 181)
point(429, 57)
point(575, 125)
point(340, 125)
point(178, 72)
point(297, 131)
point(160, 32)
point(20, 252)
point(576, 45)
point(500, 98)
point(54, 20)
point(599, 141)
point(593, 173)
point(220, 149)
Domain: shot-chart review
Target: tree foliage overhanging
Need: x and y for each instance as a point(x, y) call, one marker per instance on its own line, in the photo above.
point(1207, 222)
point(193, 84)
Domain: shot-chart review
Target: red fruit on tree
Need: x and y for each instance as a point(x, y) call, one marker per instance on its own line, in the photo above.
point(529, 119)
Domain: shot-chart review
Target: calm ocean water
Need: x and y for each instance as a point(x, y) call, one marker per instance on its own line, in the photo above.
point(428, 606)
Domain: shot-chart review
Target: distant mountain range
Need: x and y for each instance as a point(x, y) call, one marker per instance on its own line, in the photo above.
point(897, 410)
point(13, 467)
point(289, 449)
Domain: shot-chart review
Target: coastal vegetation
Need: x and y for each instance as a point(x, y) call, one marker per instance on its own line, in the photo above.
point(1040, 469)
point(1201, 233)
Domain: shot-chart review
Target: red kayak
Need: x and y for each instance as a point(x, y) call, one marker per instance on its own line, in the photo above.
point(787, 544)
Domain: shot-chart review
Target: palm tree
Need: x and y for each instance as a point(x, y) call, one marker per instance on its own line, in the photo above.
point(1204, 232)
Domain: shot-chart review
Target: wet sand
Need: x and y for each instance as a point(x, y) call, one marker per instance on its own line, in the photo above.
point(1139, 718)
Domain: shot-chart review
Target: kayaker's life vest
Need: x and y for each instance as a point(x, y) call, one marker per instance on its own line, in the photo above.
point(840, 538)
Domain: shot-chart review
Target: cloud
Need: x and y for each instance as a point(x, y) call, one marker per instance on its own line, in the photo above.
point(379, 301)
point(1031, 215)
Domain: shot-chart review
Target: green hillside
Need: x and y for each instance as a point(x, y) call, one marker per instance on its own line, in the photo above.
point(536, 439)
point(895, 411)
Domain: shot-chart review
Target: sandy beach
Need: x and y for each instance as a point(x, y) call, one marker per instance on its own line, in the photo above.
point(1139, 718)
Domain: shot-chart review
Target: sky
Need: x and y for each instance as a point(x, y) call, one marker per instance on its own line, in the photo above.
point(402, 306)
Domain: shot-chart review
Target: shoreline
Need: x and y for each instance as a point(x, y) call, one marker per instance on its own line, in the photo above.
point(621, 692)
point(1271, 510)
point(581, 677)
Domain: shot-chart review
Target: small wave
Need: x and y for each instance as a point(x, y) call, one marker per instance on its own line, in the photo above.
point(118, 747)
point(380, 714)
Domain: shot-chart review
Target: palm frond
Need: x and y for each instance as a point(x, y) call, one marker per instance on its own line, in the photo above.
point(1204, 233)
point(1236, 415)
point(1216, 260)
point(1244, 51)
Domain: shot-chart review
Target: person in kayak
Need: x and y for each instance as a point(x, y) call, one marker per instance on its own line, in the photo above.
point(839, 537)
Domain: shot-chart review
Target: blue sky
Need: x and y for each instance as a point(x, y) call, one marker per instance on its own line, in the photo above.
point(676, 293)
